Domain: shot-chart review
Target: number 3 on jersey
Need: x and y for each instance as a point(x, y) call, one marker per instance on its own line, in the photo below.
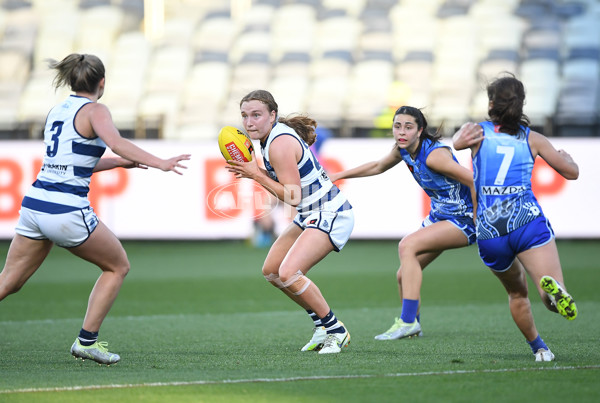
point(56, 130)
point(509, 153)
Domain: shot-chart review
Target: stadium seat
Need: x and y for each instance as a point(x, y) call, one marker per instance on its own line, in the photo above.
point(98, 30)
point(478, 109)
point(293, 30)
point(9, 110)
point(216, 31)
point(293, 65)
point(541, 77)
point(336, 32)
point(409, 35)
point(290, 93)
point(351, 7)
point(20, 29)
point(205, 92)
point(38, 96)
point(326, 97)
point(443, 53)
point(257, 38)
point(332, 63)
point(370, 80)
point(498, 30)
point(14, 66)
point(416, 72)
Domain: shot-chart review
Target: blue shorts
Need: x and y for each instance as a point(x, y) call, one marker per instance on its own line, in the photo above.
point(464, 223)
point(499, 253)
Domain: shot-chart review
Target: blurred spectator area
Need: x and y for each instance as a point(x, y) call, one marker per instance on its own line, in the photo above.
point(177, 69)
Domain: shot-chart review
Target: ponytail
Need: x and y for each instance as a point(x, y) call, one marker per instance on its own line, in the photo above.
point(80, 72)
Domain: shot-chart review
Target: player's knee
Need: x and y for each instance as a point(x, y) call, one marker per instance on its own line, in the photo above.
point(125, 270)
point(273, 279)
point(120, 269)
point(516, 293)
point(8, 287)
point(297, 283)
point(406, 247)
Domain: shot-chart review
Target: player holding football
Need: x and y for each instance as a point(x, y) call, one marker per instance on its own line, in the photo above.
point(324, 217)
point(513, 235)
point(450, 222)
point(56, 210)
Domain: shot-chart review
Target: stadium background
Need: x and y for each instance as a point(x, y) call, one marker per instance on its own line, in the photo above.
point(176, 71)
point(178, 317)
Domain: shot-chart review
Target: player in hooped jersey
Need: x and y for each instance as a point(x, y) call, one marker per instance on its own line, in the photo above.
point(449, 223)
point(513, 235)
point(56, 210)
point(324, 217)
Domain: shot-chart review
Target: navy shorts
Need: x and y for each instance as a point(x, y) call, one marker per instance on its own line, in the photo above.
point(464, 223)
point(499, 253)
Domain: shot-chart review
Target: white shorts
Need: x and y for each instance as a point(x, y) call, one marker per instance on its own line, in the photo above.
point(338, 225)
point(66, 230)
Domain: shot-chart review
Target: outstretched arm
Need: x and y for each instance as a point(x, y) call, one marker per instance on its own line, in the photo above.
point(116, 162)
point(102, 124)
point(370, 168)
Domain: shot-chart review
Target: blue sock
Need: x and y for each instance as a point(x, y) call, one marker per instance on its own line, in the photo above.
point(315, 318)
point(419, 317)
point(409, 310)
point(87, 338)
point(537, 344)
point(331, 323)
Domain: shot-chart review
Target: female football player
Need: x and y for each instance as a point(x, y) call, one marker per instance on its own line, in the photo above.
point(324, 217)
point(56, 210)
point(450, 222)
point(513, 235)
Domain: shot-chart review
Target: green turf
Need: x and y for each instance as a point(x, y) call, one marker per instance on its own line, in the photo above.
point(195, 321)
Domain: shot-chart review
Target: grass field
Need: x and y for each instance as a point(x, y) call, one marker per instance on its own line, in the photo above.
point(196, 322)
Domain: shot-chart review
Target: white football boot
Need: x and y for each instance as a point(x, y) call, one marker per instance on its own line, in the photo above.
point(317, 340)
point(400, 330)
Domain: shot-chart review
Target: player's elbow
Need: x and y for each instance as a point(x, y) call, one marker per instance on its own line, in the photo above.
point(292, 195)
point(572, 174)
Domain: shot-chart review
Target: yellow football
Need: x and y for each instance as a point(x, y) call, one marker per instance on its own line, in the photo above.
point(235, 145)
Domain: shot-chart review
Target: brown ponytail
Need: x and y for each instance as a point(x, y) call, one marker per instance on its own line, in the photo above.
point(79, 71)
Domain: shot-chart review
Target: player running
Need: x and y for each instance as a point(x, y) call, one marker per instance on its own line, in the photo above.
point(513, 235)
point(449, 224)
point(324, 217)
point(56, 210)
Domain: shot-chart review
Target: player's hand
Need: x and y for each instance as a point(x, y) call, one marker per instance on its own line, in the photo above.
point(248, 169)
point(174, 163)
point(467, 136)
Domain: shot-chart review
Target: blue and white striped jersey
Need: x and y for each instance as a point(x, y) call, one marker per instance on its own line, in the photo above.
point(63, 182)
point(318, 192)
point(448, 196)
point(502, 173)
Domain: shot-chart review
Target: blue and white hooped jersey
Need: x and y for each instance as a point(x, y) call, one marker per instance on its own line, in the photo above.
point(502, 173)
point(63, 182)
point(448, 196)
point(318, 192)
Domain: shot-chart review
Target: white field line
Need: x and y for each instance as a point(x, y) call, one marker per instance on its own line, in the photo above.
point(291, 379)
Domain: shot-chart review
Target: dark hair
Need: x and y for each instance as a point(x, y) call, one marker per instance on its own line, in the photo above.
point(303, 125)
point(421, 123)
point(80, 72)
point(507, 97)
